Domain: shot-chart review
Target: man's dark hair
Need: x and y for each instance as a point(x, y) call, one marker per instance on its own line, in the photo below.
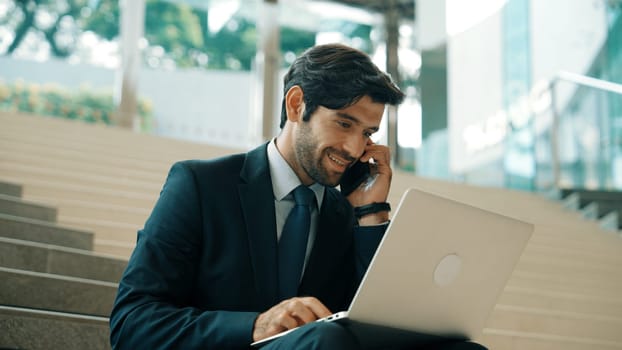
point(337, 76)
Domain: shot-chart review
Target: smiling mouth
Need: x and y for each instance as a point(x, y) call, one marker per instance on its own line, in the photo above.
point(339, 162)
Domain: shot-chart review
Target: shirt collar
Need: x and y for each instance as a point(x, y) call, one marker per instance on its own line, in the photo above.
point(284, 179)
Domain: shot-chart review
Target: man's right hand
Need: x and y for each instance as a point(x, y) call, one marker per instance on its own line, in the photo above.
point(288, 314)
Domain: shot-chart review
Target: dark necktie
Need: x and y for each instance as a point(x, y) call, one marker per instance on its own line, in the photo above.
point(293, 242)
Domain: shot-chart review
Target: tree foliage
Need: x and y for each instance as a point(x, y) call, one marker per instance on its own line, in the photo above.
point(175, 32)
point(104, 19)
point(62, 16)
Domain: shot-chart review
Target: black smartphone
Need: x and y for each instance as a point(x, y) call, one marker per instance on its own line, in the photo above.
point(353, 177)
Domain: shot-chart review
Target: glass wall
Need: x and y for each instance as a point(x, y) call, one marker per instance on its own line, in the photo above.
point(581, 148)
point(518, 161)
point(506, 125)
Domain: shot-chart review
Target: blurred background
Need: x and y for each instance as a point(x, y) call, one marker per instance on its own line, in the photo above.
point(522, 94)
point(513, 106)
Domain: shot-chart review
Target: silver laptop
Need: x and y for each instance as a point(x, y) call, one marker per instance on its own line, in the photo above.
point(437, 273)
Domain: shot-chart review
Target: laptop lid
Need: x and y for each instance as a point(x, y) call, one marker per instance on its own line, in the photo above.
point(440, 267)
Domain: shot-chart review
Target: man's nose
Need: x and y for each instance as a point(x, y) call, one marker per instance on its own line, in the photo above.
point(355, 145)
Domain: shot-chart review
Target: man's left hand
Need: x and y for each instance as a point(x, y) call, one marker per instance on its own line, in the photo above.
point(376, 190)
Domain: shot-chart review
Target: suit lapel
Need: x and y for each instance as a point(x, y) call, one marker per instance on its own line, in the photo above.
point(257, 201)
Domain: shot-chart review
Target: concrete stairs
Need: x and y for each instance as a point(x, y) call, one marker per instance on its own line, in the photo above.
point(602, 206)
point(24, 328)
point(56, 292)
point(59, 260)
point(102, 182)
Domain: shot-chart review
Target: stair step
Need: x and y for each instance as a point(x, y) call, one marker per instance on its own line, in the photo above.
point(56, 161)
point(10, 189)
point(95, 210)
point(555, 286)
point(566, 267)
point(62, 190)
point(587, 196)
point(109, 235)
point(565, 301)
point(608, 207)
point(23, 328)
point(56, 293)
point(598, 242)
point(18, 207)
point(56, 133)
point(78, 177)
point(77, 150)
point(37, 257)
point(44, 232)
point(557, 323)
point(563, 252)
point(515, 340)
point(595, 285)
point(121, 250)
point(596, 204)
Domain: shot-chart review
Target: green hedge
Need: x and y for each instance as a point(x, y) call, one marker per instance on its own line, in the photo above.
point(85, 104)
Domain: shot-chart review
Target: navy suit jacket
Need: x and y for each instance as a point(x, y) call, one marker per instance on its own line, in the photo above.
point(205, 263)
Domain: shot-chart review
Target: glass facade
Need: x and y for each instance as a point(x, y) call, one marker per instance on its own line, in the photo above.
point(565, 131)
point(518, 161)
point(581, 146)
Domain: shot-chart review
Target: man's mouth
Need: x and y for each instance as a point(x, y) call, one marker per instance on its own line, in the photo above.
point(340, 162)
point(336, 160)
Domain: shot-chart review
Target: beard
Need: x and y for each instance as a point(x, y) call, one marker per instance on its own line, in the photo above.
point(310, 158)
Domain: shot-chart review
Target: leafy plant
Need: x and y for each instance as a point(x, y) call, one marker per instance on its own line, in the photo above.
point(52, 100)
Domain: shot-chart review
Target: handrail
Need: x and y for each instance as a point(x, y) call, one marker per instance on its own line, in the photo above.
point(589, 81)
point(581, 80)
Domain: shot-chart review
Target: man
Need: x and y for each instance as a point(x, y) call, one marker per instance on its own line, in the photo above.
point(215, 265)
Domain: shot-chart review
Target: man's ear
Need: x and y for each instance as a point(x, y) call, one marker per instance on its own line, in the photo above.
point(294, 103)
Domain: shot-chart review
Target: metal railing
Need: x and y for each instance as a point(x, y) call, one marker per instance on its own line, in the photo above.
point(557, 117)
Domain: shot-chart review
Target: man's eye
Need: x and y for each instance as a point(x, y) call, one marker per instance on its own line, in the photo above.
point(344, 124)
point(368, 134)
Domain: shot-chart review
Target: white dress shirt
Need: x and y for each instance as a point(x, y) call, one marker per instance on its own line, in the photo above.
point(284, 181)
